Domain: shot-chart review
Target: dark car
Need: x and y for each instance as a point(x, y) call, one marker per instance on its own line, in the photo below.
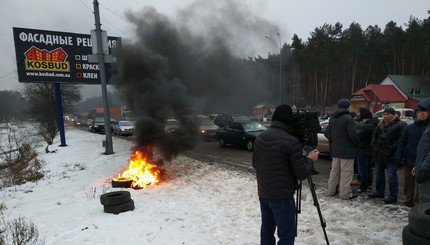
point(222, 119)
point(239, 133)
point(98, 125)
point(203, 125)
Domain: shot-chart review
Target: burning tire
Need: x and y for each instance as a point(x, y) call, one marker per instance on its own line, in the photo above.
point(116, 209)
point(115, 198)
point(419, 220)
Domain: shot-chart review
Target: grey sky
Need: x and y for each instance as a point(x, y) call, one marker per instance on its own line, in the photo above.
point(289, 16)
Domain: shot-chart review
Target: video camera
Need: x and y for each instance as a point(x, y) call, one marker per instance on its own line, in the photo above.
point(304, 124)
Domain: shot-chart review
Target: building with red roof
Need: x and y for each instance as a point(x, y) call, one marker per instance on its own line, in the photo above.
point(394, 91)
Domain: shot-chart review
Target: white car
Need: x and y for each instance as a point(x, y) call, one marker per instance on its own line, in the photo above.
point(323, 143)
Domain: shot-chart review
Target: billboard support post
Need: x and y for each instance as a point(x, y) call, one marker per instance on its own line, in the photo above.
point(60, 114)
point(100, 54)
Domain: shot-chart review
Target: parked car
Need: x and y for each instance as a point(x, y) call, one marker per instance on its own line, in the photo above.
point(98, 125)
point(222, 119)
point(239, 133)
point(125, 128)
point(204, 126)
point(405, 114)
point(323, 143)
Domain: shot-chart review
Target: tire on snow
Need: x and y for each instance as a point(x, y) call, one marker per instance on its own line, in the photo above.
point(116, 209)
point(409, 238)
point(115, 198)
point(419, 220)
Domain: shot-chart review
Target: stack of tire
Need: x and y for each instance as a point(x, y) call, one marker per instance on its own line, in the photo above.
point(418, 230)
point(117, 202)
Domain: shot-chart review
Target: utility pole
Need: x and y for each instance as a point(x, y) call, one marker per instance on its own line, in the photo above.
point(280, 65)
point(101, 58)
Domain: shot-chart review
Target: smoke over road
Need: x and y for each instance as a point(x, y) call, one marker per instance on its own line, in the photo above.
point(191, 63)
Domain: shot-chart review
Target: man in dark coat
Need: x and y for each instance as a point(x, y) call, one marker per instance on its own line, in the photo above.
point(384, 145)
point(279, 163)
point(422, 162)
point(365, 131)
point(407, 151)
point(342, 132)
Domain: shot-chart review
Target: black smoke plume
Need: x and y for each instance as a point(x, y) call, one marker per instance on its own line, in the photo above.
point(190, 65)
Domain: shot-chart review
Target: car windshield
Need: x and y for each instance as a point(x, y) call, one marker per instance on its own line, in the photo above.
point(125, 123)
point(172, 122)
point(239, 118)
point(253, 127)
point(99, 120)
point(204, 121)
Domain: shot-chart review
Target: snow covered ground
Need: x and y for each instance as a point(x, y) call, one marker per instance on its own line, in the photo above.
point(199, 203)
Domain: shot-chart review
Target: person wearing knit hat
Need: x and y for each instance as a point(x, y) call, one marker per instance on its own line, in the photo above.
point(408, 151)
point(279, 164)
point(422, 163)
point(342, 134)
point(364, 155)
point(365, 114)
point(390, 110)
point(384, 144)
point(344, 103)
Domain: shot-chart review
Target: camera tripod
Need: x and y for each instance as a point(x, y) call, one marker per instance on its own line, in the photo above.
point(315, 199)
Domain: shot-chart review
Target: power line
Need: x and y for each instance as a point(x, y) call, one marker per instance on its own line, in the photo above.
point(7, 74)
point(104, 20)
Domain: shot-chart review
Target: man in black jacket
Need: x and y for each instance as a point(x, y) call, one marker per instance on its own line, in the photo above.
point(407, 151)
point(422, 162)
point(279, 163)
point(365, 132)
point(384, 145)
point(342, 133)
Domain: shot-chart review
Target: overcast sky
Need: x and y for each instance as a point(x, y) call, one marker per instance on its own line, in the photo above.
point(289, 16)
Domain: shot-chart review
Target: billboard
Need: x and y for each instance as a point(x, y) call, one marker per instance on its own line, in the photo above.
point(60, 57)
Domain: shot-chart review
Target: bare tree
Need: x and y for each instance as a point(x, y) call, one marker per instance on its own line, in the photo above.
point(42, 107)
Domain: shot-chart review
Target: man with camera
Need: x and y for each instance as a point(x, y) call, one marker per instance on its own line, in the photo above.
point(279, 164)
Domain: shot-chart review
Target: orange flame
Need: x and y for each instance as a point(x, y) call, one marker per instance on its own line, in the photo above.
point(139, 171)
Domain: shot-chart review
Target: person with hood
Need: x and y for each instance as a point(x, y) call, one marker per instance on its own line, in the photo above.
point(365, 131)
point(384, 145)
point(342, 133)
point(407, 151)
point(279, 163)
point(422, 162)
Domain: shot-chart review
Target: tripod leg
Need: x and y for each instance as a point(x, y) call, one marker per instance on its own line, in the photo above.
point(298, 203)
point(317, 205)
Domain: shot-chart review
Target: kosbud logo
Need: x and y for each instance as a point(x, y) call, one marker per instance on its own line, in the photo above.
point(43, 60)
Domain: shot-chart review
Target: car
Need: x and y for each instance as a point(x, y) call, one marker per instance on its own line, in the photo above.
point(222, 119)
point(323, 143)
point(125, 128)
point(239, 133)
point(172, 126)
point(203, 125)
point(405, 114)
point(98, 125)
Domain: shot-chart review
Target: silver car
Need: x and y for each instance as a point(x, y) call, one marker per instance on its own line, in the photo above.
point(125, 128)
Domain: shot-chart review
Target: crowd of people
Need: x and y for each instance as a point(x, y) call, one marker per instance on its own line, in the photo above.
point(359, 144)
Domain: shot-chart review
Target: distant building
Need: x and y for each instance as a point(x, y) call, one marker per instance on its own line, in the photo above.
point(394, 91)
point(261, 111)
